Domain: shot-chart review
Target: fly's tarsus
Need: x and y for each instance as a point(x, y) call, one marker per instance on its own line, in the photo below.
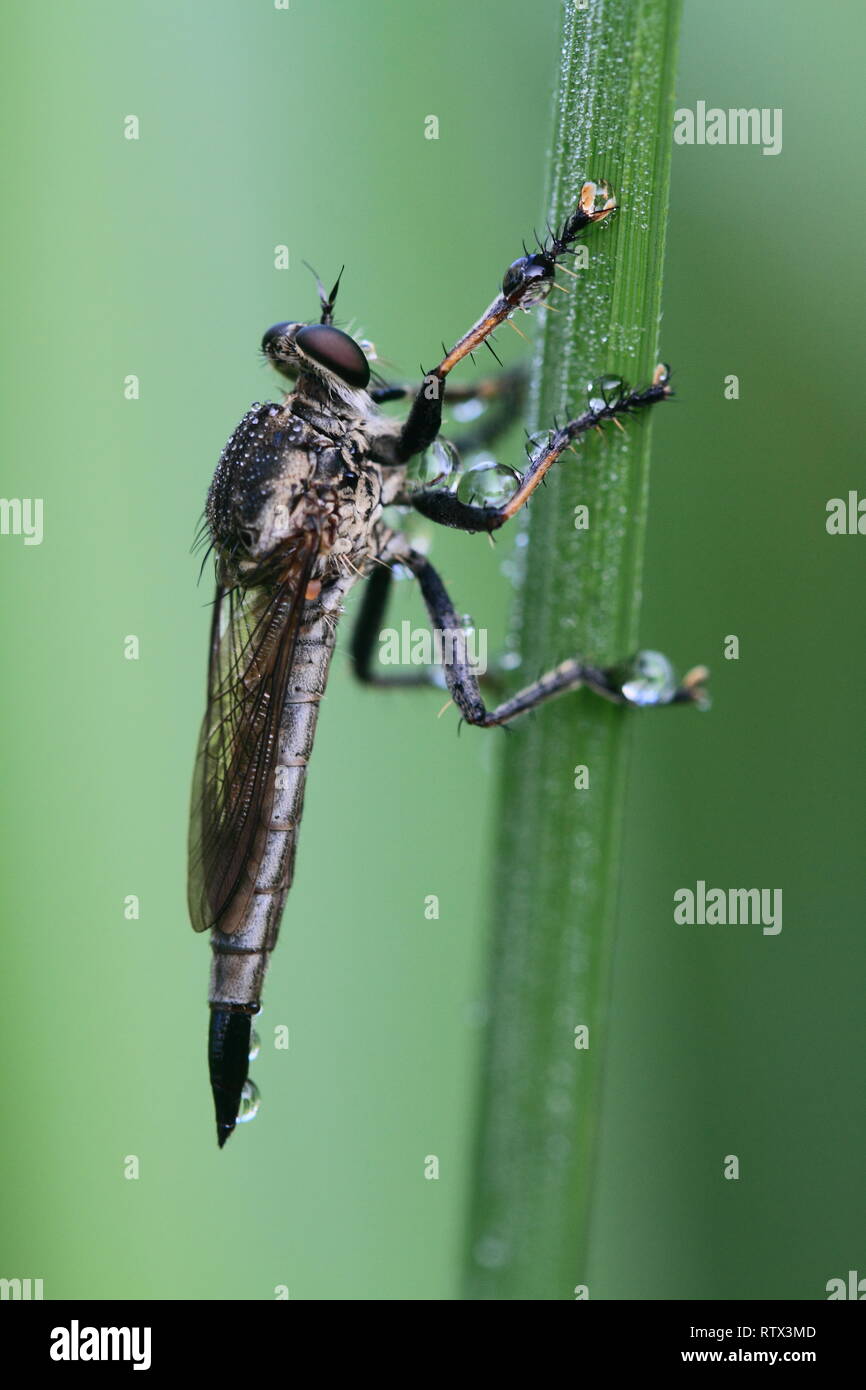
point(530, 278)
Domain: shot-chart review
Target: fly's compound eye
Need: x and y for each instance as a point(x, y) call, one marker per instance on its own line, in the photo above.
point(336, 351)
point(528, 280)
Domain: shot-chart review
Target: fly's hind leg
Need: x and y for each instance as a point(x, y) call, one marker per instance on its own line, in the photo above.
point(646, 679)
point(363, 649)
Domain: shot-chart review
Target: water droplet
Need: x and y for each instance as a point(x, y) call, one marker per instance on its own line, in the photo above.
point(491, 1252)
point(536, 442)
point(249, 1102)
point(469, 410)
point(611, 389)
point(255, 1045)
point(393, 518)
point(648, 679)
point(604, 392)
point(438, 466)
point(489, 484)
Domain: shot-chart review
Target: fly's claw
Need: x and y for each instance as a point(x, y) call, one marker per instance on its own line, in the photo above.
point(662, 379)
point(597, 201)
point(692, 688)
point(529, 280)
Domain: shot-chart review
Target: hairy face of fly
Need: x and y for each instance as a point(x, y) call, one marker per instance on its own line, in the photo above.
point(317, 350)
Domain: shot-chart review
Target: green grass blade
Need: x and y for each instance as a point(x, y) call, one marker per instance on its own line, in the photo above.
point(558, 848)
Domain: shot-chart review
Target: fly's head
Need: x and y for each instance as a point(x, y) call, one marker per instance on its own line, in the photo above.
point(320, 360)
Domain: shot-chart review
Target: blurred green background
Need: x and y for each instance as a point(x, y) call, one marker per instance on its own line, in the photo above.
point(155, 257)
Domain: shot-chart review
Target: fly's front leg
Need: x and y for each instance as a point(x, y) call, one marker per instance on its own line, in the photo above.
point(501, 399)
point(526, 282)
point(646, 679)
point(614, 400)
point(402, 391)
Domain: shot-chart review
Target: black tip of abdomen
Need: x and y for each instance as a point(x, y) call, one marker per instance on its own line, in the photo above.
point(228, 1055)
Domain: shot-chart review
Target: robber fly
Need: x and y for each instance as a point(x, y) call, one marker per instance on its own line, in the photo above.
point(295, 518)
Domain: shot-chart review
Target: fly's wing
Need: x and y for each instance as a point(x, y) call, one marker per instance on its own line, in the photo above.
point(252, 648)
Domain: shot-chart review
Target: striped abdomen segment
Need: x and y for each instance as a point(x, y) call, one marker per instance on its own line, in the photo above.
point(240, 956)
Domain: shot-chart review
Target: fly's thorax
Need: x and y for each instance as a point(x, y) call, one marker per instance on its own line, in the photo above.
point(263, 472)
point(299, 466)
point(353, 507)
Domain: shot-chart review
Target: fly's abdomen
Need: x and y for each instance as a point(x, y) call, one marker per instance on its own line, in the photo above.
point(241, 949)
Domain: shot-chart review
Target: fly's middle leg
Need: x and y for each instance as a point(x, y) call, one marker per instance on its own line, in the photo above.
point(366, 636)
point(448, 510)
